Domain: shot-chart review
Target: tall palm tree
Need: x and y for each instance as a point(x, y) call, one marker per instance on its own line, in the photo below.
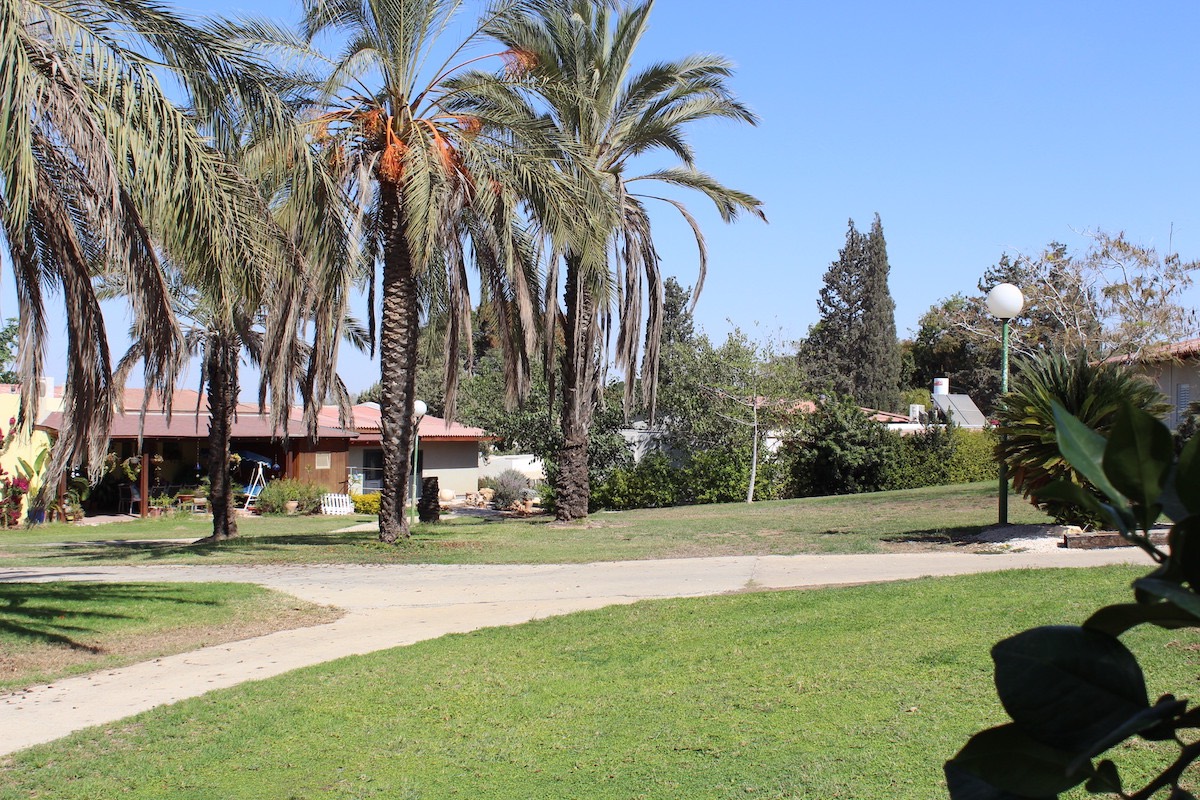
point(221, 350)
point(580, 55)
point(441, 159)
point(101, 174)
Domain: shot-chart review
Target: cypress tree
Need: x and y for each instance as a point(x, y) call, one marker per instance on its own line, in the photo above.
point(853, 349)
point(829, 355)
point(877, 381)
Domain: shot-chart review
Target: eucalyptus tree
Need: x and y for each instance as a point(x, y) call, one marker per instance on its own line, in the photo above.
point(580, 56)
point(102, 175)
point(449, 166)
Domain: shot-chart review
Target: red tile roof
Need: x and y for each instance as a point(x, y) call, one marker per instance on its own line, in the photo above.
point(190, 425)
point(432, 429)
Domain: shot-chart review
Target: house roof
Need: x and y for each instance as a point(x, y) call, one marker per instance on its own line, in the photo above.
point(1175, 351)
point(367, 423)
point(190, 425)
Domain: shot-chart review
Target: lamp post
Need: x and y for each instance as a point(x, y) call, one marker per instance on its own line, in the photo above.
point(1004, 302)
point(419, 409)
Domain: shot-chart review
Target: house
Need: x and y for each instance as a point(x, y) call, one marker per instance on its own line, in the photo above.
point(1175, 369)
point(176, 447)
point(447, 450)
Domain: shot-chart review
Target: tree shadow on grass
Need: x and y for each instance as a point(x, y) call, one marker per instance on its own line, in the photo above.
point(60, 613)
point(957, 537)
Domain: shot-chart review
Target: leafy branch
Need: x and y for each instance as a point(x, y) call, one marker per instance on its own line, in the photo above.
point(1074, 692)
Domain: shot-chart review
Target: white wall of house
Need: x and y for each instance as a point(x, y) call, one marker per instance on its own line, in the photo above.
point(528, 465)
point(454, 464)
point(1179, 381)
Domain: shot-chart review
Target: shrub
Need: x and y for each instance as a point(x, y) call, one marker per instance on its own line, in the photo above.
point(1090, 391)
point(366, 503)
point(654, 482)
point(939, 456)
point(840, 450)
point(273, 496)
point(508, 486)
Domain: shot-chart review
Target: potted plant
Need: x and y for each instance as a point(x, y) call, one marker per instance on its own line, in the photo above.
point(159, 504)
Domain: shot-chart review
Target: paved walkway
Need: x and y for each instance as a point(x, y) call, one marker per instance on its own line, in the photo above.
point(388, 606)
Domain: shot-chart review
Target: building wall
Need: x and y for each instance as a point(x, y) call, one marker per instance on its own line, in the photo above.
point(25, 446)
point(323, 463)
point(1179, 381)
point(454, 464)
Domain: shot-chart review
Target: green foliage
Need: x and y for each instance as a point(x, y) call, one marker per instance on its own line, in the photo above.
point(853, 347)
point(654, 482)
point(273, 496)
point(839, 450)
point(8, 352)
point(1092, 391)
point(366, 503)
point(1076, 692)
point(940, 456)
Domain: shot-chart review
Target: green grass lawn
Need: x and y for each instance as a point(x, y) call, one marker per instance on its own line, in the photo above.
point(864, 523)
point(854, 692)
point(52, 630)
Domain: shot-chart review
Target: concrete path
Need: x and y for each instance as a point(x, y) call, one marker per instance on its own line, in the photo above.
point(388, 606)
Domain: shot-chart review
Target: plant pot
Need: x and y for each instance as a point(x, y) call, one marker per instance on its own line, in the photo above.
point(291, 506)
point(154, 512)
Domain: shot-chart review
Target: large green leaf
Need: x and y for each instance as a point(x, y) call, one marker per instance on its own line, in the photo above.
point(1184, 564)
point(1137, 459)
point(1083, 448)
point(1180, 595)
point(1003, 763)
point(1116, 619)
point(1187, 476)
point(1068, 686)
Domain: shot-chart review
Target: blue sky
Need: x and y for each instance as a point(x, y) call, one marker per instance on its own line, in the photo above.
point(971, 128)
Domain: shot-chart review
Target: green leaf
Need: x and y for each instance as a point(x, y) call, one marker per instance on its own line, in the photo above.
point(1167, 708)
point(1187, 476)
point(1176, 593)
point(1184, 563)
point(1116, 619)
point(1106, 779)
point(1137, 459)
point(1004, 763)
point(1068, 686)
point(1083, 449)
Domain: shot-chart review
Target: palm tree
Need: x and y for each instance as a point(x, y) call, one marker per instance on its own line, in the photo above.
point(580, 55)
point(441, 161)
point(221, 350)
point(101, 174)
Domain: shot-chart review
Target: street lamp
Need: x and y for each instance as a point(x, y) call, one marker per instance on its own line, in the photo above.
point(1004, 302)
point(419, 409)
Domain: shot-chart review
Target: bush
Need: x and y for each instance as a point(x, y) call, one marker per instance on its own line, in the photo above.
point(366, 503)
point(1090, 391)
point(273, 496)
point(940, 456)
point(841, 451)
point(654, 482)
point(508, 486)
point(715, 476)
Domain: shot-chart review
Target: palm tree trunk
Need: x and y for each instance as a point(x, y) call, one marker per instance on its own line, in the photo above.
point(572, 489)
point(221, 365)
point(397, 361)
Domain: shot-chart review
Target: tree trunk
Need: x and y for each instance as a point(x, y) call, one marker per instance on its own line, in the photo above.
point(572, 490)
point(397, 362)
point(430, 507)
point(221, 364)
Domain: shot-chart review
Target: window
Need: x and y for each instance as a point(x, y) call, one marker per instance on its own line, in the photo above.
point(322, 460)
point(1183, 397)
